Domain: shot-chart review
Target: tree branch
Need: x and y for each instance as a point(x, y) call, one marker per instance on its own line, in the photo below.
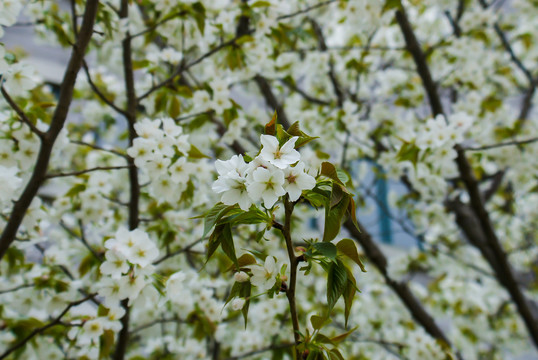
point(21, 114)
point(271, 101)
point(495, 253)
point(80, 172)
point(56, 321)
point(183, 67)
point(502, 144)
point(58, 119)
point(98, 92)
point(305, 10)
point(294, 262)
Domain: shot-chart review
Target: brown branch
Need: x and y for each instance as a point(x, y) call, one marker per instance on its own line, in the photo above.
point(80, 172)
point(494, 254)
point(56, 321)
point(177, 252)
point(97, 147)
point(23, 286)
point(58, 119)
point(502, 144)
point(271, 100)
point(301, 92)
point(183, 67)
point(414, 48)
point(305, 10)
point(340, 96)
point(21, 114)
point(158, 23)
point(376, 256)
point(259, 351)
point(98, 92)
point(294, 263)
point(82, 239)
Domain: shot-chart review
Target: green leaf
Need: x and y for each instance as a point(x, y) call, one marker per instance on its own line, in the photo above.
point(175, 107)
point(244, 260)
point(334, 217)
point(391, 4)
point(329, 170)
point(75, 190)
point(348, 248)
point(253, 216)
point(227, 244)
point(335, 354)
point(336, 282)
point(343, 336)
point(318, 321)
point(245, 293)
point(327, 249)
point(349, 295)
point(106, 343)
point(214, 215)
point(195, 153)
point(304, 138)
point(199, 16)
point(408, 152)
point(214, 241)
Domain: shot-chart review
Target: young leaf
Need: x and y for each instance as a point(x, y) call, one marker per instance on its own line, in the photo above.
point(336, 282)
point(334, 217)
point(214, 241)
point(245, 293)
point(327, 249)
point(244, 260)
point(343, 336)
point(317, 321)
point(348, 295)
point(270, 127)
point(214, 215)
point(348, 248)
point(228, 244)
point(329, 170)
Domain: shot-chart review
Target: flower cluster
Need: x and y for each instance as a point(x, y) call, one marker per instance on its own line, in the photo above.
point(276, 171)
point(128, 265)
point(160, 151)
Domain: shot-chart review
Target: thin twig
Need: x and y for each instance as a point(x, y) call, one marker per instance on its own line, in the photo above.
point(177, 252)
point(56, 321)
point(97, 147)
point(98, 92)
point(502, 144)
point(21, 114)
point(80, 172)
point(305, 10)
point(23, 286)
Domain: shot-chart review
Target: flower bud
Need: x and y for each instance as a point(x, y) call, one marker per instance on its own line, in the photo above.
point(241, 276)
point(238, 304)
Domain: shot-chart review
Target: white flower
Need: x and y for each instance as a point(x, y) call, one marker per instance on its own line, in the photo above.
point(10, 182)
point(237, 304)
point(264, 276)
point(92, 329)
point(142, 150)
point(115, 264)
point(234, 191)
point(267, 184)
point(236, 165)
point(280, 157)
point(296, 180)
point(241, 276)
point(19, 78)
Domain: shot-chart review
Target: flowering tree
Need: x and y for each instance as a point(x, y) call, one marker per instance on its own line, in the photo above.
point(191, 191)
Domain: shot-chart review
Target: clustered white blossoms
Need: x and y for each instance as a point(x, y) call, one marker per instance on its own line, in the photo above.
point(160, 151)
point(128, 266)
point(276, 171)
